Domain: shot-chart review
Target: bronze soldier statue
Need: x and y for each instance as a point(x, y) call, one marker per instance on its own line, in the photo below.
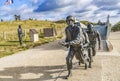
point(74, 41)
point(86, 46)
point(20, 34)
point(93, 35)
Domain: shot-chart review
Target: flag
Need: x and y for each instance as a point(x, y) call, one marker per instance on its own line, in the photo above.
point(9, 2)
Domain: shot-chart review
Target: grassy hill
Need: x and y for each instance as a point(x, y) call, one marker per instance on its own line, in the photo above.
point(27, 24)
point(10, 44)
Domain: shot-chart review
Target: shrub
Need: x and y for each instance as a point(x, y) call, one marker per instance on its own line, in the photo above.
point(116, 27)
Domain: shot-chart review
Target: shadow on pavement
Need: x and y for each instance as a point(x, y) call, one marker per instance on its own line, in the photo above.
point(43, 73)
point(47, 73)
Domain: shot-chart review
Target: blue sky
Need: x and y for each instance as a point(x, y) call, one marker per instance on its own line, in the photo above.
point(91, 10)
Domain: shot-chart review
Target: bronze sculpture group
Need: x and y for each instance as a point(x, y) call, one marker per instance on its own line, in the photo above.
point(80, 42)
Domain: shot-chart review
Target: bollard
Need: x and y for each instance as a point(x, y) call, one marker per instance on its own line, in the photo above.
point(4, 35)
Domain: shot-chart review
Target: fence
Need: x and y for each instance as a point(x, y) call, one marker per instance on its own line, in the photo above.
point(13, 35)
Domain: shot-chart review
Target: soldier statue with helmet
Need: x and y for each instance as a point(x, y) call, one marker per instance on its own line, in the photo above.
point(93, 35)
point(74, 41)
point(20, 34)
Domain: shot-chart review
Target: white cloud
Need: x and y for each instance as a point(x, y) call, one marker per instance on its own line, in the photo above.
point(118, 4)
point(34, 1)
point(92, 7)
point(111, 13)
point(91, 10)
point(5, 8)
point(25, 9)
point(86, 9)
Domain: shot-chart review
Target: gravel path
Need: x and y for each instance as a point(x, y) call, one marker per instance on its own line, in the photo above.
point(47, 63)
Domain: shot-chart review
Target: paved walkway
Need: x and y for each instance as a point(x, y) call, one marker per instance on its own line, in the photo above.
point(47, 63)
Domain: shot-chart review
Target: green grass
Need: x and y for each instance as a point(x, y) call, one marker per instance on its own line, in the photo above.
point(10, 45)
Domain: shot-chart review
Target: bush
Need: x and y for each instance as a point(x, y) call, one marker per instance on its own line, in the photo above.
point(116, 27)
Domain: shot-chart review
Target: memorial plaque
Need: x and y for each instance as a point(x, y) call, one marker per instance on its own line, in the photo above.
point(49, 32)
point(34, 35)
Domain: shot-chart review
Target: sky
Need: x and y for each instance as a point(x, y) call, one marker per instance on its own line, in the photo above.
point(90, 10)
